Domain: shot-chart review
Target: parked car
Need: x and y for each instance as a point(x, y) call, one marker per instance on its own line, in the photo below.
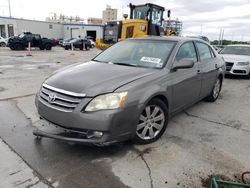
point(129, 91)
point(77, 43)
point(92, 43)
point(3, 42)
point(237, 58)
point(21, 41)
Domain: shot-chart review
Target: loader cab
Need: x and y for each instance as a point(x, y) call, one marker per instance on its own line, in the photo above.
point(152, 13)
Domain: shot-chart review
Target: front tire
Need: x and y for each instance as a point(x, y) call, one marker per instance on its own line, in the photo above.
point(248, 76)
point(2, 44)
point(213, 96)
point(152, 122)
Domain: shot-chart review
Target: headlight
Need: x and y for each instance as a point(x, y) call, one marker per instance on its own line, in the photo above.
point(242, 63)
point(107, 102)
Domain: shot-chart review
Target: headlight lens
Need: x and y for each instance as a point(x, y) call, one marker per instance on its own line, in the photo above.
point(242, 63)
point(107, 102)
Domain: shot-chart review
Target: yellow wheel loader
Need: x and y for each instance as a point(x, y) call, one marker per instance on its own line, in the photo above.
point(144, 20)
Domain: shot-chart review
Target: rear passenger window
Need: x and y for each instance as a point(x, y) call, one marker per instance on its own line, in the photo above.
point(204, 51)
point(187, 50)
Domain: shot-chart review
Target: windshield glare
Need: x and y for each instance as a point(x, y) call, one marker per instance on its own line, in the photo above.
point(21, 35)
point(236, 50)
point(141, 53)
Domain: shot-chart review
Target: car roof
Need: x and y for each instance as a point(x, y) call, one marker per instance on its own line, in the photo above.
point(168, 38)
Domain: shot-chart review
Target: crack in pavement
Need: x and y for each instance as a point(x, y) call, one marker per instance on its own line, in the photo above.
point(212, 121)
point(36, 173)
point(17, 97)
point(141, 155)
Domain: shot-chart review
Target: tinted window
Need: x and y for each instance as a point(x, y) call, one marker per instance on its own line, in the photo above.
point(187, 50)
point(204, 51)
point(142, 53)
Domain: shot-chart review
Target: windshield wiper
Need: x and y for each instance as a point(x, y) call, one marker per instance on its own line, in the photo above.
point(98, 61)
point(126, 64)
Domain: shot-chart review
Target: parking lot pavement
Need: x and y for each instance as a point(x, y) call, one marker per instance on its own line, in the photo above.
point(204, 140)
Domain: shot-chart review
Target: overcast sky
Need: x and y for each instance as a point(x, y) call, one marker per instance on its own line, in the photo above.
point(204, 17)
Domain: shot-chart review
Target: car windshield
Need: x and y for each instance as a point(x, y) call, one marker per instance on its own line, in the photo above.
point(140, 53)
point(21, 35)
point(74, 40)
point(236, 50)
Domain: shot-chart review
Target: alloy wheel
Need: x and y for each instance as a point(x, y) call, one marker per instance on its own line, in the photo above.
point(151, 122)
point(216, 90)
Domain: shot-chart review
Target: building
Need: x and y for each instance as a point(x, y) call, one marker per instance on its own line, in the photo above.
point(82, 30)
point(94, 21)
point(109, 14)
point(14, 26)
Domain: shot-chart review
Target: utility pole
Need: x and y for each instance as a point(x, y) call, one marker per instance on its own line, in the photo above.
point(219, 36)
point(9, 9)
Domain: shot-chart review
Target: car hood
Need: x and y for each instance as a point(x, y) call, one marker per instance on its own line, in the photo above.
point(235, 58)
point(94, 78)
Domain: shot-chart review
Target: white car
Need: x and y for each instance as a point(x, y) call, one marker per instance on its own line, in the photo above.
point(3, 42)
point(237, 58)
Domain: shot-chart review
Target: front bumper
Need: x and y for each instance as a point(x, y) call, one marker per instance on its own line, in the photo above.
point(237, 70)
point(115, 125)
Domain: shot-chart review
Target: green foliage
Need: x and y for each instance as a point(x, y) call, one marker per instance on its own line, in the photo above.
point(227, 42)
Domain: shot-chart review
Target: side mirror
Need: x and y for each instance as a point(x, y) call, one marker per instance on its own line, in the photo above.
point(183, 64)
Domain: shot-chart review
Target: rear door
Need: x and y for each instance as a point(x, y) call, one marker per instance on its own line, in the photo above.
point(186, 83)
point(209, 67)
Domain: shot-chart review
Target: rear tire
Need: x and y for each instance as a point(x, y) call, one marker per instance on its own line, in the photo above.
point(48, 46)
point(152, 122)
point(213, 96)
point(86, 47)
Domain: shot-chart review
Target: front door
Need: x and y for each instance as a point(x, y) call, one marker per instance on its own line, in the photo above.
point(186, 83)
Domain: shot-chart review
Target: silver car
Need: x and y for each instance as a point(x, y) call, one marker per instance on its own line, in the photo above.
point(237, 58)
point(129, 91)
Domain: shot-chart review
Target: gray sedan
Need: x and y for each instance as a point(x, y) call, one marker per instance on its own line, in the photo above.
point(129, 91)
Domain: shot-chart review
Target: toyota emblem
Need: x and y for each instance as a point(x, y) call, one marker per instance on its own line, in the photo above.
point(52, 97)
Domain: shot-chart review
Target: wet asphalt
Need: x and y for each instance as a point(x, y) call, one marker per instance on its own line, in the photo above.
point(207, 139)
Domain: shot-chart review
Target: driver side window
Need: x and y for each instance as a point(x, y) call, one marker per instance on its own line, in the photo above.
point(187, 50)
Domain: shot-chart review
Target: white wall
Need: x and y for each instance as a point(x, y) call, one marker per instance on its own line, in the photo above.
point(42, 28)
point(6, 21)
point(36, 27)
point(81, 30)
point(57, 30)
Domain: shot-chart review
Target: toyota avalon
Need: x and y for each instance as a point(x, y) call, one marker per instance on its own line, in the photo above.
point(129, 91)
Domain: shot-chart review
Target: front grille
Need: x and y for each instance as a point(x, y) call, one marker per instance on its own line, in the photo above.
point(229, 66)
point(59, 99)
point(240, 71)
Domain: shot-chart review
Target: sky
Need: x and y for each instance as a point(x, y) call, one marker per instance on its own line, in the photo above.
point(199, 17)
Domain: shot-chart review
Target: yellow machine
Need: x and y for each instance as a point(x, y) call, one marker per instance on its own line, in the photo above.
point(144, 20)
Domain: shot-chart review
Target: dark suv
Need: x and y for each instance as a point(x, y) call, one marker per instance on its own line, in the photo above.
point(21, 42)
point(78, 43)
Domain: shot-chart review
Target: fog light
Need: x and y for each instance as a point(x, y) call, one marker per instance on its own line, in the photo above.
point(94, 134)
point(98, 134)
